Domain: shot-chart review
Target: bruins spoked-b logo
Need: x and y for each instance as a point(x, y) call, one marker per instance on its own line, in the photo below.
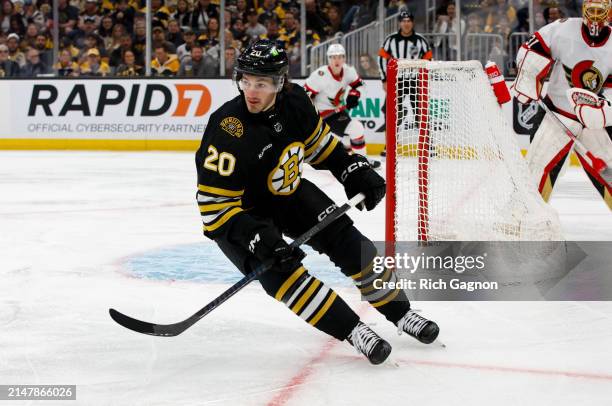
point(585, 76)
point(285, 177)
point(232, 126)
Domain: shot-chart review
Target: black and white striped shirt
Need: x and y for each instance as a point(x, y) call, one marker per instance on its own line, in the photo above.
point(398, 46)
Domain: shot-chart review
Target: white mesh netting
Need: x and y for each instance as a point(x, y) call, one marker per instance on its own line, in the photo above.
point(459, 171)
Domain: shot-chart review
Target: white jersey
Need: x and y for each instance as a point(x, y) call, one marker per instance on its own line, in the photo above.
point(579, 63)
point(327, 90)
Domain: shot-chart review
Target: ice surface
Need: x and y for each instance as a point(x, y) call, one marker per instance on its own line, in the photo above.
point(74, 226)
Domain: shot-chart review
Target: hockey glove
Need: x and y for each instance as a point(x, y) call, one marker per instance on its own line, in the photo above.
point(352, 100)
point(359, 177)
point(267, 244)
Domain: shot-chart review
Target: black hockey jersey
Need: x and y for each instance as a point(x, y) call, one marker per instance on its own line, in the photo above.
point(252, 161)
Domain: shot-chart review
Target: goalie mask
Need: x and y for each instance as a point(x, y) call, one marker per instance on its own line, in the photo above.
point(596, 15)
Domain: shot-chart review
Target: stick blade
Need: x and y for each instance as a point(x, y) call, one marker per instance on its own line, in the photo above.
point(143, 327)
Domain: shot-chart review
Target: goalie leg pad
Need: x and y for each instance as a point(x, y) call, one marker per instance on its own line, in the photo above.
point(599, 142)
point(548, 151)
point(532, 69)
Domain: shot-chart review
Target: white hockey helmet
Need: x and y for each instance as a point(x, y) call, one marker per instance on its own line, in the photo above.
point(335, 49)
point(596, 15)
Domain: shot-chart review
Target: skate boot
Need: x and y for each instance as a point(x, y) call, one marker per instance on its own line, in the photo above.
point(426, 331)
point(369, 343)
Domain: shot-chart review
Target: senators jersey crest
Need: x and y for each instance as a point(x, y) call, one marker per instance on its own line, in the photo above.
point(585, 75)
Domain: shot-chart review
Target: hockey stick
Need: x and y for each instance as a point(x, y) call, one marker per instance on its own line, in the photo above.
point(327, 113)
point(171, 330)
point(598, 164)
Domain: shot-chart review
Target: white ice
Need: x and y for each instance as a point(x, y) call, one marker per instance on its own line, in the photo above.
point(68, 220)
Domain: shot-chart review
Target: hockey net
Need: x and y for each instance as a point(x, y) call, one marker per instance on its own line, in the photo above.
point(454, 169)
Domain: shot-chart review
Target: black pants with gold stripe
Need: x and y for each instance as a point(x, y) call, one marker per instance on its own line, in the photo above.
point(347, 248)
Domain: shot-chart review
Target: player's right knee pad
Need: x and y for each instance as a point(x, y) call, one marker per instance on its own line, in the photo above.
point(548, 151)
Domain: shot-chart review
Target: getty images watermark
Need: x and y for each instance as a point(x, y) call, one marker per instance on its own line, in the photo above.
point(487, 270)
point(411, 264)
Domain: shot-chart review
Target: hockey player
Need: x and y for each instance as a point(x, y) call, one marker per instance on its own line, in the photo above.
point(326, 87)
point(251, 192)
point(579, 52)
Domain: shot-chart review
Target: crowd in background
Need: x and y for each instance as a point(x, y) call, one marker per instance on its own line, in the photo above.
point(108, 37)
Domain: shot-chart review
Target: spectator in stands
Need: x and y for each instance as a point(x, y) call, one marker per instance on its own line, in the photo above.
point(78, 35)
point(230, 59)
point(503, 28)
point(115, 41)
point(552, 14)
point(65, 66)
point(159, 39)
point(367, 67)
point(242, 7)
point(164, 64)
point(91, 12)
point(17, 25)
point(272, 31)
point(239, 32)
point(174, 35)
point(94, 66)
point(160, 13)
point(30, 35)
point(314, 17)
point(522, 18)
point(33, 67)
point(31, 14)
point(211, 38)
point(362, 13)
point(105, 31)
point(203, 11)
point(129, 66)
point(5, 15)
point(124, 14)
point(45, 49)
point(498, 55)
point(15, 55)
point(253, 28)
point(199, 65)
point(291, 37)
point(335, 21)
point(496, 11)
point(185, 49)
point(8, 68)
point(140, 36)
point(68, 16)
point(269, 10)
point(449, 24)
point(183, 14)
point(116, 56)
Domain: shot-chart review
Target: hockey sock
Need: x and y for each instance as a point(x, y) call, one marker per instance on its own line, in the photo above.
point(314, 302)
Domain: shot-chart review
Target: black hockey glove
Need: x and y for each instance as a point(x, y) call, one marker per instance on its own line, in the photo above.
point(359, 177)
point(267, 244)
point(352, 100)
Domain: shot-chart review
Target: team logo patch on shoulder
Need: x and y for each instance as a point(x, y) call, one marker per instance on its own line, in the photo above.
point(232, 126)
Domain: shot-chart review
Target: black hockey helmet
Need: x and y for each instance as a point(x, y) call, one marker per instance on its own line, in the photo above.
point(405, 14)
point(264, 58)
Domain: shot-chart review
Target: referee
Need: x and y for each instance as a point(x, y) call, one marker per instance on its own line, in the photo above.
point(404, 44)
